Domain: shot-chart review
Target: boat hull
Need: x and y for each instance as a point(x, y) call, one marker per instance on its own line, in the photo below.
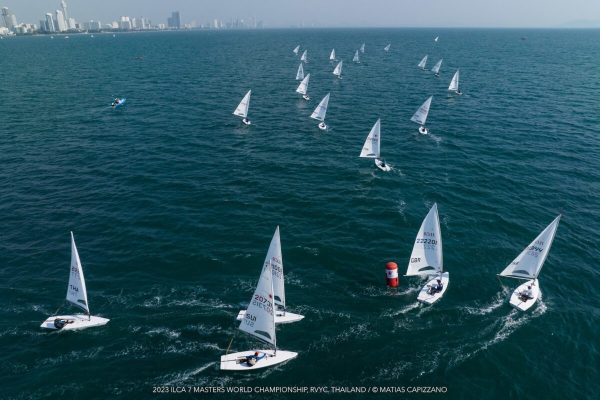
point(234, 361)
point(119, 104)
point(79, 321)
point(423, 130)
point(426, 297)
point(382, 166)
point(517, 301)
point(280, 317)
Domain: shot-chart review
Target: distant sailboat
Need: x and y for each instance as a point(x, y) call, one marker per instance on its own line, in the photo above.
point(303, 87)
point(387, 48)
point(332, 55)
point(242, 108)
point(436, 39)
point(259, 322)
point(118, 102)
point(423, 63)
point(426, 259)
point(300, 73)
point(76, 295)
point(436, 68)
point(420, 116)
point(372, 147)
point(275, 257)
point(356, 59)
point(362, 48)
point(320, 112)
point(528, 265)
point(338, 70)
point(454, 83)
point(304, 56)
point(296, 50)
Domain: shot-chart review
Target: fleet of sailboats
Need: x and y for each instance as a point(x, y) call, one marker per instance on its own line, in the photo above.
point(372, 147)
point(527, 266)
point(242, 108)
point(77, 296)
point(420, 116)
point(320, 112)
point(427, 259)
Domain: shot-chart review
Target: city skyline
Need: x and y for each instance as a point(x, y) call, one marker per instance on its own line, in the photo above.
point(332, 13)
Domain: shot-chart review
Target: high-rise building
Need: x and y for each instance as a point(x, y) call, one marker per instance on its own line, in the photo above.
point(63, 5)
point(50, 23)
point(125, 24)
point(61, 24)
point(10, 21)
point(174, 21)
point(71, 24)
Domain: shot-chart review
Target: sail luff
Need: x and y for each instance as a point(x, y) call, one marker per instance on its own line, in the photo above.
point(275, 257)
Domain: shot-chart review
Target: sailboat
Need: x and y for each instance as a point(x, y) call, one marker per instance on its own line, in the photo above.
point(528, 265)
point(372, 147)
point(296, 50)
point(304, 56)
point(420, 116)
point(422, 63)
point(426, 259)
point(118, 102)
point(77, 295)
point(303, 88)
point(259, 322)
point(387, 48)
point(454, 83)
point(242, 108)
point(362, 48)
point(337, 71)
point(436, 39)
point(300, 73)
point(332, 55)
point(275, 257)
point(436, 67)
point(356, 59)
point(320, 112)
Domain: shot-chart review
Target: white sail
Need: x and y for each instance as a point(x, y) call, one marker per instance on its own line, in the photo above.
point(76, 291)
point(321, 110)
point(296, 49)
point(421, 115)
point(437, 66)
point(275, 257)
point(332, 55)
point(303, 86)
point(454, 82)
point(259, 320)
point(436, 39)
point(362, 48)
point(387, 48)
point(371, 148)
point(355, 58)
point(300, 73)
point(242, 108)
point(338, 69)
point(426, 257)
point(529, 263)
point(423, 62)
point(304, 57)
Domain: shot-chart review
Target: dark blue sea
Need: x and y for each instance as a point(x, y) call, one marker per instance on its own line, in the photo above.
point(173, 203)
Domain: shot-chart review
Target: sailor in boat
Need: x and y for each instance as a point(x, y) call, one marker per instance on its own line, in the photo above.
point(436, 287)
point(253, 359)
point(246, 121)
point(526, 294)
point(322, 126)
point(60, 323)
point(116, 102)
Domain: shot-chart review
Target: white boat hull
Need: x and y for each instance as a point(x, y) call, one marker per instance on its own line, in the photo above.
point(280, 317)
point(382, 165)
point(246, 121)
point(306, 97)
point(119, 104)
point(428, 298)
point(77, 321)
point(423, 130)
point(235, 361)
point(323, 126)
point(520, 303)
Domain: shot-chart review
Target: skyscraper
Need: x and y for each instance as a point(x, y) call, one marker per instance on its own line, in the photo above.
point(174, 21)
point(10, 21)
point(61, 24)
point(50, 23)
point(63, 5)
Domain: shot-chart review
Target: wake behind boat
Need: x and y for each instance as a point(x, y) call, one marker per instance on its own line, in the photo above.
point(528, 265)
point(426, 259)
point(76, 295)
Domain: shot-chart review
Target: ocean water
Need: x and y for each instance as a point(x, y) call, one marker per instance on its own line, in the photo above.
point(173, 203)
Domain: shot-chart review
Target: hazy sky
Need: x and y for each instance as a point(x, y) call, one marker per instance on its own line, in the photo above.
point(334, 13)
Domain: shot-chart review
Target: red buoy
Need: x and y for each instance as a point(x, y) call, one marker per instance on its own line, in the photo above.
point(391, 270)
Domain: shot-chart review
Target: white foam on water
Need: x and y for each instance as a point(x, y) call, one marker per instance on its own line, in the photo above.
point(401, 311)
point(182, 377)
point(360, 331)
point(498, 301)
point(161, 331)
